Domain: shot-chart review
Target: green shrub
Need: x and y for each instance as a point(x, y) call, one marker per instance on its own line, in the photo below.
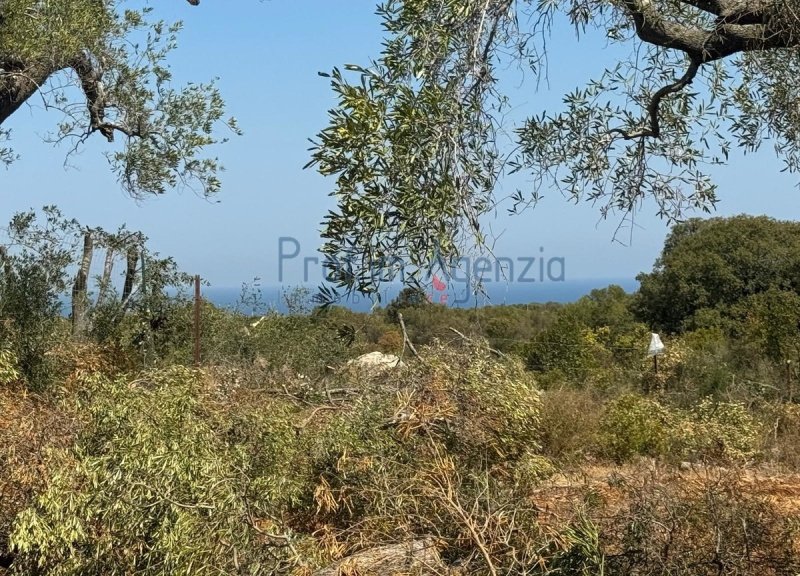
point(33, 276)
point(720, 431)
point(566, 347)
point(710, 431)
point(176, 473)
point(706, 367)
point(8, 366)
point(307, 344)
point(479, 409)
point(458, 428)
point(31, 426)
point(635, 425)
point(579, 551)
point(149, 488)
point(409, 298)
point(496, 401)
point(768, 325)
point(29, 318)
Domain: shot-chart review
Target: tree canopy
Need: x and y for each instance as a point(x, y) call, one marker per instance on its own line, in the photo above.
point(715, 268)
point(417, 141)
point(104, 65)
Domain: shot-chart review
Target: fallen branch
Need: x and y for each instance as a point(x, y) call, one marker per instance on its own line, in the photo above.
point(406, 339)
point(471, 341)
point(417, 556)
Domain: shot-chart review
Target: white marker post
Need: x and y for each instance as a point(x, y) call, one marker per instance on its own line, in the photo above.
point(656, 347)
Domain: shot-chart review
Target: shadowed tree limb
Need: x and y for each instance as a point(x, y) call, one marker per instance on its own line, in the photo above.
point(654, 129)
point(126, 87)
point(740, 27)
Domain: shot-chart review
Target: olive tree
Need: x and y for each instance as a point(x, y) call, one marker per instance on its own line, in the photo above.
point(105, 66)
point(417, 140)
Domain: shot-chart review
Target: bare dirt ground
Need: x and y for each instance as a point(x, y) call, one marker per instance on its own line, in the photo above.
point(611, 485)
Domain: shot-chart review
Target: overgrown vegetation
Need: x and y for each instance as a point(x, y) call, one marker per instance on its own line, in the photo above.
point(535, 439)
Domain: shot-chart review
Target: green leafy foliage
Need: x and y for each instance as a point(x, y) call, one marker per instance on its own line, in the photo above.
point(32, 278)
point(421, 136)
point(105, 66)
point(636, 425)
point(285, 455)
point(408, 297)
point(721, 431)
point(711, 265)
point(769, 324)
point(174, 472)
point(149, 488)
point(562, 346)
point(8, 367)
point(422, 443)
point(710, 431)
point(53, 32)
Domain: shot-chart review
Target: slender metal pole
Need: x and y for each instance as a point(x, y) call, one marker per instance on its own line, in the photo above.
point(197, 320)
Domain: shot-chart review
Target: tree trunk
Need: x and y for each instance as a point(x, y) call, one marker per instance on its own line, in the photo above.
point(17, 86)
point(4, 261)
point(105, 279)
point(130, 274)
point(80, 298)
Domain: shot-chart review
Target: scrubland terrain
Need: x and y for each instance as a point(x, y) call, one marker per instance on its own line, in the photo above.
point(533, 439)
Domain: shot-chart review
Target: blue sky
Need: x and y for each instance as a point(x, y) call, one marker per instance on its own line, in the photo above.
point(267, 55)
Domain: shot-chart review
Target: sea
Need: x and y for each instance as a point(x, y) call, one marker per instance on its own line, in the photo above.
point(255, 299)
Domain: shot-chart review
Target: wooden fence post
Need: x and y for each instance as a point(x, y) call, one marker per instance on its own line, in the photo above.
point(197, 320)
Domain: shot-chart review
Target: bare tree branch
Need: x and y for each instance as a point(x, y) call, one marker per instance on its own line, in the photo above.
point(654, 129)
point(740, 27)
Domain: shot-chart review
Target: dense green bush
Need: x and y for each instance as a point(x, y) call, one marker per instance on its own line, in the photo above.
point(635, 425)
point(712, 265)
point(566, 347)
point(706, 367)
point(719, 431)
point(408, 298)
point(710, 431)
point(149, 488)
point(768, 325)
point(31, 282)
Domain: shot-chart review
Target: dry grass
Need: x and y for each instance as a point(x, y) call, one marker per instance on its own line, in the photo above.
point(656, 519)
point(30, 426)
